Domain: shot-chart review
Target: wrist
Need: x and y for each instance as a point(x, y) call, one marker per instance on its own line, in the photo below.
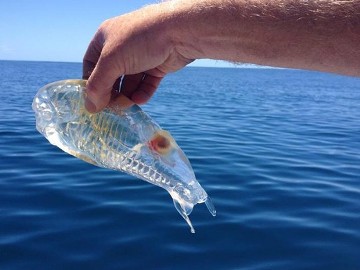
point(183, 28)
point(204, 28)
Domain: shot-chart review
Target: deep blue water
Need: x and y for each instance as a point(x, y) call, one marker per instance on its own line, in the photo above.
point(277, 150)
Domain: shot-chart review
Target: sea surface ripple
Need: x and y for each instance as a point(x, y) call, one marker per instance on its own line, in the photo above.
point(277, 150)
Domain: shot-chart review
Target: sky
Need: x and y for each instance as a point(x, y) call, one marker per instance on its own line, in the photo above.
point(60, 30)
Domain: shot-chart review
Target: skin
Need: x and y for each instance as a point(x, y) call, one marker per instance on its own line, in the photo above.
point(145, 45)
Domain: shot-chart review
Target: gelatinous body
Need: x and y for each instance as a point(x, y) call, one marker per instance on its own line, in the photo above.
point(125, 140)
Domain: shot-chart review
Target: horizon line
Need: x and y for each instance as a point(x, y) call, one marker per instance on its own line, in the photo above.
point(231, 64)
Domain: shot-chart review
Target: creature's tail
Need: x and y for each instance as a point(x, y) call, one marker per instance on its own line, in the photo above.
point(185, 209)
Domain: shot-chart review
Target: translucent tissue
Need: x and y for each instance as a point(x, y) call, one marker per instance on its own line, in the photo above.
point(125, 140)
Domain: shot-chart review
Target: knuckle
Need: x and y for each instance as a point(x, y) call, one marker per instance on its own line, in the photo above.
point(105, 23)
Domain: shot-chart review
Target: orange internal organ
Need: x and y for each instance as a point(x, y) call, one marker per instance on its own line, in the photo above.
point(161, 142)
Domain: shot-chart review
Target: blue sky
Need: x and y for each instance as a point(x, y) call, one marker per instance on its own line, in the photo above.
point(59, 30)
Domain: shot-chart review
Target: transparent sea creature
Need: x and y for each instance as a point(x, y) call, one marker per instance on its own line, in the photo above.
point(125, 140)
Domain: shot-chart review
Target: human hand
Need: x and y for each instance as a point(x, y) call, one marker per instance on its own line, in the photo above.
point(138, 46)
point(145, 45)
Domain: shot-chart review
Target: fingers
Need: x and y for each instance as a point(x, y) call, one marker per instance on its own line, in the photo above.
point(101, 81)
point(139, 88)
point(92, 55)
point(131, 83)
point(101, 69)
point(116, 88)
point(103, 65)
point(146, 89)
point(90, 59)
point(135, 89)
point(104, 80)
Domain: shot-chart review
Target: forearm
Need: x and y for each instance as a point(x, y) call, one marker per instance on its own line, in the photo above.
point(319, 35)
point(145, 45)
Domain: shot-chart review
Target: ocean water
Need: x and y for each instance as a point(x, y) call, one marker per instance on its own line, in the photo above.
point(277, 150)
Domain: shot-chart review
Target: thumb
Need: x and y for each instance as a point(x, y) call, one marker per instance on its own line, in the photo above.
point(100, 84)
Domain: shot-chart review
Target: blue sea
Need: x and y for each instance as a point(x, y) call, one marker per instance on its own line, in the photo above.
point(278, 151)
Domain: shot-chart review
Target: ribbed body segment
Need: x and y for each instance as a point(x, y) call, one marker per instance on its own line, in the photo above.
point(128, 141)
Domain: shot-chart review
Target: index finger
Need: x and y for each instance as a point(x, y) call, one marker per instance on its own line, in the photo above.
point(101, 82)
point(97, 97)
point(91, 56)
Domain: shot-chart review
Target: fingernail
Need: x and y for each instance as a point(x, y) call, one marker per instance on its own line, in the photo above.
point(89, 105)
